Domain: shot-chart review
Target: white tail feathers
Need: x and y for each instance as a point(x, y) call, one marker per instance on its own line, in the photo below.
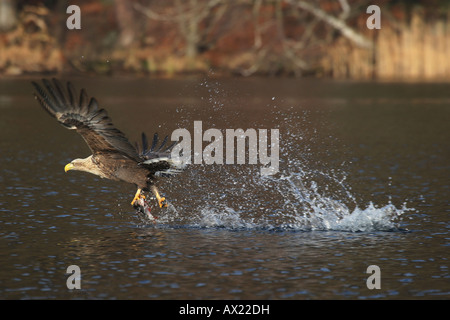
point(176, 166)
point(155, 160)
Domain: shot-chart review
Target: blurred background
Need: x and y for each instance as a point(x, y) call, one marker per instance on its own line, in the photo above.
point(322, 38)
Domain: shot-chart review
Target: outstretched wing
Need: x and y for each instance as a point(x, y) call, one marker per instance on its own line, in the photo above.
point(85, 116)
point(158, 158)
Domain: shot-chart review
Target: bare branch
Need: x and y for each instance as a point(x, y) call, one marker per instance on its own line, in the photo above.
point(336, 23)
point(189, 16)
point(345, 9)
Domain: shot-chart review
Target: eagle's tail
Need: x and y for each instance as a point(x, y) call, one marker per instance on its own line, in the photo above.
point(175, 166)
point(158, 158)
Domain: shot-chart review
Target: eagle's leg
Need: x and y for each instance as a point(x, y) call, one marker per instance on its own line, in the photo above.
point(137, 196)
point(161, 200)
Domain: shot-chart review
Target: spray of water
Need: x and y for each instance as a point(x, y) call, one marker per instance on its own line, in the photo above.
point(300, 197)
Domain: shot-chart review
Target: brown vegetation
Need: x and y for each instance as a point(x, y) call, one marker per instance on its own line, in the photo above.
point(414, 47)
point(29, 47)
point(326, 38)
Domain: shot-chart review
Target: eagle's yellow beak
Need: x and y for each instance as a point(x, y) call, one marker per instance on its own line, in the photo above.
point(68, 167)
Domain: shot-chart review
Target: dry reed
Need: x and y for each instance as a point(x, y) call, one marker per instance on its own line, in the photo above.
point(414, 50)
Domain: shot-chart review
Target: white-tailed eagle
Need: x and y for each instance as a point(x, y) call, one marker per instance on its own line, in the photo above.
point(113, 156)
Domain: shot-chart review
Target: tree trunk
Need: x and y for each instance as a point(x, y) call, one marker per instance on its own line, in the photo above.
point(8, 15)
point(126, 22)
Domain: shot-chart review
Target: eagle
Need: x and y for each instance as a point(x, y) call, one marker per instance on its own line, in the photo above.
point(113, 156)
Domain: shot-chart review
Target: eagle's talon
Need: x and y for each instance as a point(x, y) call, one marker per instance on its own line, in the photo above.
point(137, 196)
point(163, 203)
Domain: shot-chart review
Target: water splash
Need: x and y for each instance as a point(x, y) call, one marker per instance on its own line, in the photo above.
point(371, 219)
point(303, 196)
point(301, 209)
point(240, 198)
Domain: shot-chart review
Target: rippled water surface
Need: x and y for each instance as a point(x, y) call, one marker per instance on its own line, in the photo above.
point(363, 180)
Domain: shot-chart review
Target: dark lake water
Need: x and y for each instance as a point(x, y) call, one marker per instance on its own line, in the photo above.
point(363, 180)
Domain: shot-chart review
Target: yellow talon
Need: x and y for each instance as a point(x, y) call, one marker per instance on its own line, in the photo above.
point(162, 202)
point(137, 196)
